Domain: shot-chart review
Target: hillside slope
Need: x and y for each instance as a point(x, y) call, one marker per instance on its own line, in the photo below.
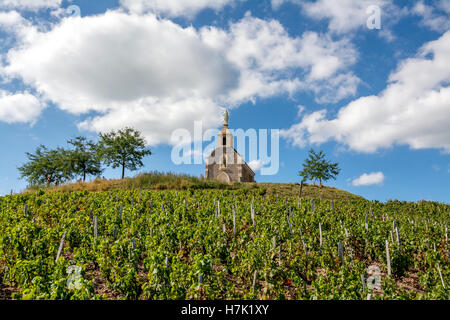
point(171, 181)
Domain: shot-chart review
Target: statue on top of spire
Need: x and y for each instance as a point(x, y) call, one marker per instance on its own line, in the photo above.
point(226, 117)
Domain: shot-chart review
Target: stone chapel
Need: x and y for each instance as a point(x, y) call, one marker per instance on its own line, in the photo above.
point(225, 163)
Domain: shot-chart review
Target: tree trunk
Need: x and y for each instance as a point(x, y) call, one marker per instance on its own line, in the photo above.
point(123, 170)
point(84, 176)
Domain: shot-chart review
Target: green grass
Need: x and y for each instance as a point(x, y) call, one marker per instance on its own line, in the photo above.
point(172, 181)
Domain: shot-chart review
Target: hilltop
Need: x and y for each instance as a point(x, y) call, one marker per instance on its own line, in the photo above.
point(172, 181)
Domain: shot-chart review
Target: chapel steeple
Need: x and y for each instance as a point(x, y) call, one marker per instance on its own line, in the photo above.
point(225, 163)
point(225, 137)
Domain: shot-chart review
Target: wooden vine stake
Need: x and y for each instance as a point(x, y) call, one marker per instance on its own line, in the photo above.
point(363, 283)
point(95, 227)
point(440, 275)
point(332, 205)
point(446, 233)
point(341, 252)
point(252, 210)
point(320, 234)
point(254, 280)
point(61, 245)
point(274, 242)
point(398, 236)
point(388, 258)
point(304, 247)
point(290, 226)
point(234, 222)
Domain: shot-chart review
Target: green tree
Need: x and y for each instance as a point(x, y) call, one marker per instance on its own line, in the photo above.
point(84, 157)
point(316, 168)
point(47, 166)
point(123, 148)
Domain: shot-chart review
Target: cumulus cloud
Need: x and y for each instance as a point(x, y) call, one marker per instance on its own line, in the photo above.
point(10, 19)
point(265, 54)
point(29, 4)
point(157, 118)
point(436, 18)
point(117, 58)
point(345, 16)
point(413, 110)
point(158, 76)
point(256, 165)
point(174, 8)
point(21, 107)
point(368, 179)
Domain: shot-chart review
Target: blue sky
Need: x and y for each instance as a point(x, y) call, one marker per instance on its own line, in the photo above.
point(375, 100)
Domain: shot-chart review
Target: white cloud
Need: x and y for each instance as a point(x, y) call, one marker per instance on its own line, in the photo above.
point(10, 19)
point(368, 179)
point(256, 165)
point(116, 58)
point(276, 4)
point(174, 8)
point(345, 16)
point(300, 110)
point(431, 18)
point(267, 55)
point(29, 4)
point(444, 5)
point(413, 110)
point(20, 107)
point(157, 118)
point(153, 74)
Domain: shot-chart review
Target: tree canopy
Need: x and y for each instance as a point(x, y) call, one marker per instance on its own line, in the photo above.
point(123, 148)
point(84, 157)
point(317, 168)
point(47, 166)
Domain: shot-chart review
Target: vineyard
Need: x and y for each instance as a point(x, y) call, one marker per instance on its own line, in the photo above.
point(220, 244)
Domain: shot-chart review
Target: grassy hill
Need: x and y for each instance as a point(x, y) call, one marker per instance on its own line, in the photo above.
point(171, 181)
